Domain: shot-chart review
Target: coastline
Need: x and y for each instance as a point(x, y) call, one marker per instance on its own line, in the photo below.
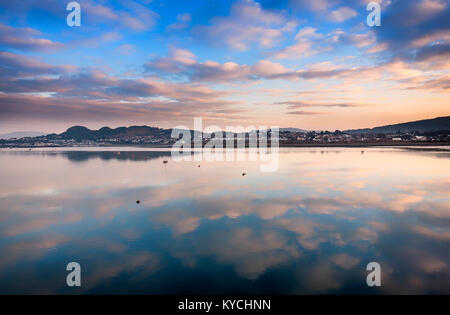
point(281, 145)
point(364, 145)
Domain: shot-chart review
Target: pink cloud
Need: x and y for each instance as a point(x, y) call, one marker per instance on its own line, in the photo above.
point(342, 14)
point(25, 39)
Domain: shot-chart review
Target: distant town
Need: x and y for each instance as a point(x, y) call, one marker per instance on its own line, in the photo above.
point(426, 132)
point(286, 138)
point(343, 138)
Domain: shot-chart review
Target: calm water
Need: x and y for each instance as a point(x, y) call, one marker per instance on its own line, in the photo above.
point(310, 227)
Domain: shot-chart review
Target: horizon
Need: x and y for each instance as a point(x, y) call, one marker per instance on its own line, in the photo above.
point(289, 63)
point(153, 126)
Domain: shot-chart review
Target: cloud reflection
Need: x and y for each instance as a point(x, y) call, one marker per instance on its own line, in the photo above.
point(308, 223)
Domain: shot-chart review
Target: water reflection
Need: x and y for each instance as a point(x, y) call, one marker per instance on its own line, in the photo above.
point(311, 227)
point(82, 156)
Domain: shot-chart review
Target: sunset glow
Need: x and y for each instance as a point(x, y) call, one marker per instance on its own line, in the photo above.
point(293, 63)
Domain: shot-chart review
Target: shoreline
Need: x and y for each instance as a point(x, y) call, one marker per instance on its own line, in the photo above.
point(364, 145)
point(281, 145)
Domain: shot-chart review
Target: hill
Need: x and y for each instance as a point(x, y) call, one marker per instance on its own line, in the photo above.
point(83, 133)
point(427, 125)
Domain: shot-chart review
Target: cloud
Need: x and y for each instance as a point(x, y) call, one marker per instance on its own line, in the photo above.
point(345, 261)
point(126, 49)
point(247, 24)
point(304, 113)
point(302, 104)
point(183, 21)
point(440, 84)
point(342, 14)
point(415, 23)
point(309, 42)
point(359, 40)
point(43, 91)
point(183, 63)
point(176, 61)
point(131, 14)
point(97, 41)
point(25, 39)
point(33, 107)
point(14, 65)
point(305, 45)
point(182, 80)
point(315, 6)
point(439, 52)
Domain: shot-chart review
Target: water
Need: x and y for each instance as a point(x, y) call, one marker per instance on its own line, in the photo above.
point(311, 227)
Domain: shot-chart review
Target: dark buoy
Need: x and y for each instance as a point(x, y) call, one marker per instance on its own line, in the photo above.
point(165, 161)
point(138, 201)
point(243, 174)
point(199, 166)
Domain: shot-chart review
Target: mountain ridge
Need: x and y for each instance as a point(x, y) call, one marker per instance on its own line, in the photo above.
point(83, 133)
point(424, 125)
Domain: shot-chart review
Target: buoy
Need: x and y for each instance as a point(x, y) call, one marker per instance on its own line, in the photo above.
point(243, 174)
point(138, 201)
point(165, 161)
point(199, 166)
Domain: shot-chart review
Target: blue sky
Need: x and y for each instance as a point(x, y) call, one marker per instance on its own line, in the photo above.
point(297, 63)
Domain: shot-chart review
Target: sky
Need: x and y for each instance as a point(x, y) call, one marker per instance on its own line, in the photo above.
point(313, 65)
